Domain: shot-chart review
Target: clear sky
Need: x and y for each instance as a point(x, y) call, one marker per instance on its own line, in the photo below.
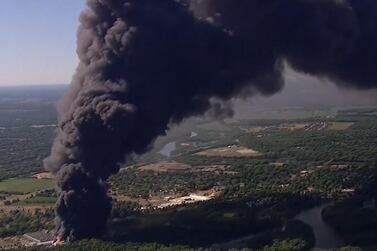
point(38, 41)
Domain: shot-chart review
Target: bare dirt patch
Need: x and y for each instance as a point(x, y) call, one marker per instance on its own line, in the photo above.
point(165, 166)
point(230, 151)
point(189, 199)
point(43, 175)
point(173, 199)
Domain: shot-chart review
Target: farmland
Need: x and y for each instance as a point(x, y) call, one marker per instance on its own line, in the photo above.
point(165, 166)
point(230, 151)
point(25, 185)
point(340, 126)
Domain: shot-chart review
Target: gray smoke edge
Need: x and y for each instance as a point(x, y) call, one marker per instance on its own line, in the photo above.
point(147, 64)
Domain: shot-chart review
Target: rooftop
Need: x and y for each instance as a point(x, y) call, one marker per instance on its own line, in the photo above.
point(40, 236)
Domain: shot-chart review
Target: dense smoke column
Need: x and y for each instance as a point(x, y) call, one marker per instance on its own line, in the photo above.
point(143, 64)
point(147, 63)
point(336, 39)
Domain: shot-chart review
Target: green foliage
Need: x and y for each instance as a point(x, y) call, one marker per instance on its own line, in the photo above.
point(272, 194)
point(97, 245)
point(17, 222)
point(124, 209)
point(24, 143)
point(36, 200)
point(348, 249)
point(198, 225)
point(356, 145)
point(145, 184)
point(22, 150)
point(287, 245)
point(25, 185)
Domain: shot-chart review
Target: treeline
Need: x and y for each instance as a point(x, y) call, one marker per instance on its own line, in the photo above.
point(17, 222)
point(97, 245)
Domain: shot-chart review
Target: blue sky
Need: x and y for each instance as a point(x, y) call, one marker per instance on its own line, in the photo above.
point(38, 41)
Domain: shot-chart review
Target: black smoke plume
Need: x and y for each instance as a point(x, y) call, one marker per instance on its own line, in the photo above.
point(146, 64)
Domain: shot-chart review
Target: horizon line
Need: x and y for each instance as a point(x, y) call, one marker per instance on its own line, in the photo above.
point(33, 85)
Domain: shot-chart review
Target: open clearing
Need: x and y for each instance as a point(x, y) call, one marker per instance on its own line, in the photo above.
point(230, 151)
point(43, 175)
point(165, 166)
point(189, 199)
point(169, 201)
point(25, 185)
point(340, 126)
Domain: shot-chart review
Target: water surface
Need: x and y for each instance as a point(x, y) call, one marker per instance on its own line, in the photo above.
point(168, 149)
point(325, 235)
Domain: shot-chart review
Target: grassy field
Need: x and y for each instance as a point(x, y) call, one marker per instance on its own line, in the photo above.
point(340, 126)
point(25, 185)
point(230, 151)
point(37, 200)
point(165, 166)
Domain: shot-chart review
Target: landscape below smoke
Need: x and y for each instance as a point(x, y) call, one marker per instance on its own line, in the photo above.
point(147, 64)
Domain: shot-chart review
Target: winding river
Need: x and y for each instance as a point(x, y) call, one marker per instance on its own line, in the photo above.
point(169, 148)
point(193, 135)
point(325, 236)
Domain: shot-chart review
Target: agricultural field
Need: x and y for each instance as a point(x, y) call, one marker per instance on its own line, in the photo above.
point(165, 166)
point(25, 185)
point(340, 126)
point(230, 151)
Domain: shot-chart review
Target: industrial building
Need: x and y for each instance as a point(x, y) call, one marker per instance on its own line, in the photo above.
point(39, 238)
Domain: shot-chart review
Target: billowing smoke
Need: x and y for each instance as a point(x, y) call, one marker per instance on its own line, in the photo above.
point(146, 64)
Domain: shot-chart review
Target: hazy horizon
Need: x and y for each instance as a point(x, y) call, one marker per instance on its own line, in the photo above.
point(300, 92)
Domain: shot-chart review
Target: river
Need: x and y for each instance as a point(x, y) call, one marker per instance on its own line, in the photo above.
point(193, 135)
point(168, 149)
point(325, 236)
